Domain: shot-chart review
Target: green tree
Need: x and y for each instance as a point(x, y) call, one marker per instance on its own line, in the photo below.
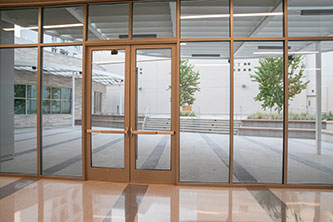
point(188, 83)
point(269, 75)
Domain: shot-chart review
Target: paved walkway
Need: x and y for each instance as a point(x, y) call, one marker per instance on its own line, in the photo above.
point(204, 157)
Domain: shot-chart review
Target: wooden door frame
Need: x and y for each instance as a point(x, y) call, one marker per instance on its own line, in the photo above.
point(129, 173)
point(100, 173)
point(155, 176)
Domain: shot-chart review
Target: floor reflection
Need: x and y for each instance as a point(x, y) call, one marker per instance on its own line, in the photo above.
point(24, 200)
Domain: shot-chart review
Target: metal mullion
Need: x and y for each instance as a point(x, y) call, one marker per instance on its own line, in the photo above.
point(204, 39)
point(59, 3)
point(178, 19)
point(286, 96)
point(175, 100)
point(323, 38)
point(39, 93)
point(130, 21)
point(19, 46)
point(61, 44)
point(84, 162)
point(177, 114)
point(231, 99)
point(85, 23)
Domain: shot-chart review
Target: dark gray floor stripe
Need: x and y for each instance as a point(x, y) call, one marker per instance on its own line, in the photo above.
point(44, 147)
point(52, 134)
point(47, 146)
point(15, 186)
point(130, 200)
point(239, 171)
point(68, 162)
point(155, 156)
point(274, 207)
point(29, 131)
point(314, 165)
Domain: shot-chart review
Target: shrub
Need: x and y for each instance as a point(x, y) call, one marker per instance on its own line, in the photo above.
point(327, 116)
point(187, 113)
point(292, 116)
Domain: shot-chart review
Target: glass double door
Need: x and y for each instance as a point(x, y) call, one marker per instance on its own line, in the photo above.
point(130, 106)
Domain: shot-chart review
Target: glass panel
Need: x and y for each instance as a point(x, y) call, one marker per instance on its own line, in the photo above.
point(31, 91)
point(310, 124)
point(310, 18)
point(258, 112)
point(65, 107)
point(46, 93)
point(61, 154)
point(204, 19)
point(18, 132)
point(63, 25)
point(153, 108)
point(19, 106)
point(260, 18)
point(154, 19)
point(55, 93)
point(31, 106)
point(19, 91)
point(19, 26)
point(66, 94)
point(108, 109)
point(108, 21)
point(55, 107)
point(204, 112)
point(46, 106)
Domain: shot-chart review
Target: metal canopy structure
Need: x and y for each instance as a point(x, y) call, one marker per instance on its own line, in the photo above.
point(103, 77)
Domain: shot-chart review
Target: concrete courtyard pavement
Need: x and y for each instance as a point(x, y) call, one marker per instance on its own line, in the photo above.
point(203, 157)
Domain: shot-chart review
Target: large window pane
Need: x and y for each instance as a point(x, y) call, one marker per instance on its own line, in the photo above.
point(20, 90)
point(258, 109)
point(310, 132)
point(310, 18)
point(18, 124)
point(204, 112)
point(32, 91)
point(108, 21)
point(63, 25)
point(153, 112)
point(204, 18)
point(19, 106)
point(19, 26)
point(61, 142)
point(65, 94)
point(108, 108)
point(260, 18)
point(31, 106)
point(154, 19)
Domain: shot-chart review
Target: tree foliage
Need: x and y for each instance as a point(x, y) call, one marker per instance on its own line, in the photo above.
point(189, 81)
point(269, 75)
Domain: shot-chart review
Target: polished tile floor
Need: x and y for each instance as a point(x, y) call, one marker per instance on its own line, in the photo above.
point(23, 199)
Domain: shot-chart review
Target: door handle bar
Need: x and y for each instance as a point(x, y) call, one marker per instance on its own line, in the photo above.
point(108, 131)
point(135, 132)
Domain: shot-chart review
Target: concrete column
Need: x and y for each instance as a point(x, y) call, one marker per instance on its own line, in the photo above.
point(6, 97)
point(318, 98)
point(73, 100)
